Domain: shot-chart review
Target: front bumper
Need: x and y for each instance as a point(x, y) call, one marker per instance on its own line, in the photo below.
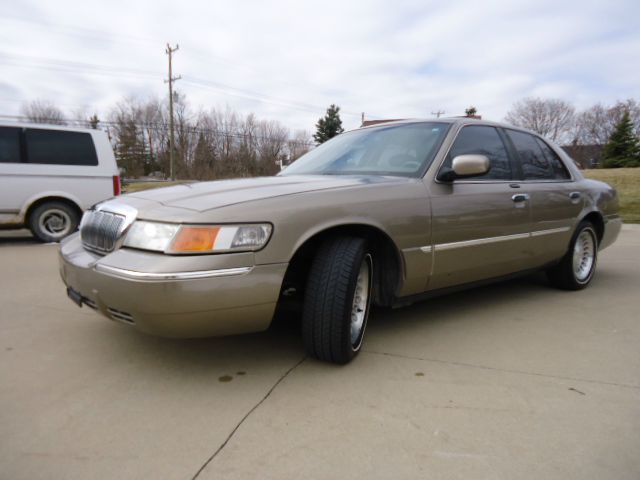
point(194, 296)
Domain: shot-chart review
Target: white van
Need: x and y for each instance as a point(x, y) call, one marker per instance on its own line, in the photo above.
point(50, 174)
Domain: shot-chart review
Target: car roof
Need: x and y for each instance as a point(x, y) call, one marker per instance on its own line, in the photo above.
point(448, 120)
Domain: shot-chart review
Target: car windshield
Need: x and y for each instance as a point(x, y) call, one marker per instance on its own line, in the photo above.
point(395, 150)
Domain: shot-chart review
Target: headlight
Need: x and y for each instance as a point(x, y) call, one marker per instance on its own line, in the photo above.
point(172, 238)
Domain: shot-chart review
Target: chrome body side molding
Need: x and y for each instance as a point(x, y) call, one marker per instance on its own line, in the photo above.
point(484, 241)
point(168, 276)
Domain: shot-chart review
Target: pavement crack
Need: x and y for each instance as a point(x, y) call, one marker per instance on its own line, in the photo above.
point(242, 420)
point(505, 370)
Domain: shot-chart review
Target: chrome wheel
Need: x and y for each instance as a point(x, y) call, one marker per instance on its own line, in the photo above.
point(360, 305)
point(55, 222)
point(584, 254)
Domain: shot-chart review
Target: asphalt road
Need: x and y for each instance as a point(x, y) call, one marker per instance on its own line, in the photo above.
point(510, 381)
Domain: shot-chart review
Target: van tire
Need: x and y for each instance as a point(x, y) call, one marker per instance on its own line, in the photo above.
point(53, 221)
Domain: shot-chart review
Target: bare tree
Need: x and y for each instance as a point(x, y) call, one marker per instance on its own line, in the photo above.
point(595, 125)
point(298, 144)
point(551, 118)
point(43, 111)
point(272, 141)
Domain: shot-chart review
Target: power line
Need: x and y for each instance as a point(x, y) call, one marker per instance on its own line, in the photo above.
point(109, 70)
point(162, 127)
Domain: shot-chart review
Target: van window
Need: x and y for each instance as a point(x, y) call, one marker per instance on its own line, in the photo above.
point(58, 147)
point(9, 145)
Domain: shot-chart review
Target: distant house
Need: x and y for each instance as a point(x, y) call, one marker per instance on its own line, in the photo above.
point(585, 156)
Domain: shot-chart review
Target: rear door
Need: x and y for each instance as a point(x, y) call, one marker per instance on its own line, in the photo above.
point(555, 201)
point(480, 225)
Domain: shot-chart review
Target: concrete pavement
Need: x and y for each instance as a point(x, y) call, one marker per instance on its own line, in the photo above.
point(514, 380)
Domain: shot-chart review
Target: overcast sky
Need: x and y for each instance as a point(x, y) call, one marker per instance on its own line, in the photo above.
point(288, 60)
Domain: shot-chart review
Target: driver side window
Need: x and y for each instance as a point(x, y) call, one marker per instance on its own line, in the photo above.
point(482, 140)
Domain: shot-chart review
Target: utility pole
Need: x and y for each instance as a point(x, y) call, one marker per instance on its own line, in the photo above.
point(437, 113)
point(169, 51)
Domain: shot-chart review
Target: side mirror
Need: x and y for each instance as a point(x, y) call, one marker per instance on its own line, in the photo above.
point(464, 166)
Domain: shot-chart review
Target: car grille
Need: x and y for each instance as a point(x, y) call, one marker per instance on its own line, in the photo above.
point(121, 316)
point(100, 230)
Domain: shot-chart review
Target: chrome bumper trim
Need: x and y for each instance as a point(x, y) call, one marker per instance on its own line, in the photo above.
point(156, 277)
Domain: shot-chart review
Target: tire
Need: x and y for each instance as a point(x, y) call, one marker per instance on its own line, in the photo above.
point(338, 290)
point(577, 267)
point(52, 221)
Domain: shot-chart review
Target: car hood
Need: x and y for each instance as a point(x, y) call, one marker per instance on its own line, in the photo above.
point(205, 196)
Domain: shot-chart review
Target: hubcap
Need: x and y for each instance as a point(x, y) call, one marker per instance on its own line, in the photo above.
point(55, 222)
point(584, 255)
point(360, 302)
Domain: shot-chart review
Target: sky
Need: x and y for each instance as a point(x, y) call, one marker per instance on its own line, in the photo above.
point(289, 60)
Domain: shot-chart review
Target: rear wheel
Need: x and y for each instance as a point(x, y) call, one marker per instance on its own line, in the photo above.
point(52, 221)
point(576, 269)
point(337, 300)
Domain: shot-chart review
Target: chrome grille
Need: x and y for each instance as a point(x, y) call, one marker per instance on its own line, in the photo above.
point(100, 230)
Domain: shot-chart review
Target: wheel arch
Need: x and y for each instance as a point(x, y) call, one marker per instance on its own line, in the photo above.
point(387, 258)
point(596, 219)
point(37, 201)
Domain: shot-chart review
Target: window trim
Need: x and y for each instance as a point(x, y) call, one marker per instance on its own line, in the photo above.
point(514, 165)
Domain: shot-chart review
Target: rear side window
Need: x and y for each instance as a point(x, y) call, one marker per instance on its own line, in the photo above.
point(9, 145)
point(559, 170)
point(55, 147)
point(537, 164)
point(482, 140)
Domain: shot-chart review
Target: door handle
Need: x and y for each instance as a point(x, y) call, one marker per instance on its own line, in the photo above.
point(520, 197)
point(575, 195)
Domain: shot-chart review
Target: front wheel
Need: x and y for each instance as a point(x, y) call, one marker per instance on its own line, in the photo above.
point(337, 300)
point(576, 269)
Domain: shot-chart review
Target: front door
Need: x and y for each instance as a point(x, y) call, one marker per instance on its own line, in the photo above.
point(480, 226)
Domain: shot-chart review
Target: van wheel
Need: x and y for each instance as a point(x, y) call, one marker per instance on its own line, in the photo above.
point(576, 269)
point(52, 221)
point(337, 300)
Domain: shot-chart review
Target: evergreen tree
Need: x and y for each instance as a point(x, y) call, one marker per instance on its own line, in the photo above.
point(329, 126)
point(623, 148)
point(471, 111)
point(94, 121)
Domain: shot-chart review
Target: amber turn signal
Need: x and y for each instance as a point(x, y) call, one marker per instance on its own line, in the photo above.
point(195, 239)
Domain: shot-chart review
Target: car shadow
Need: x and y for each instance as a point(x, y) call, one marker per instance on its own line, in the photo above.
point(451, 306)
point(281, 345)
